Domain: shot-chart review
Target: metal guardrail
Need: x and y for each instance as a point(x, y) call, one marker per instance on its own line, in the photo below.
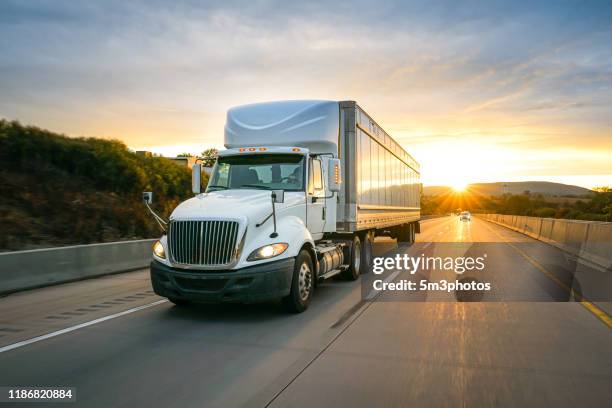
point(30, 269)
point(588, 240)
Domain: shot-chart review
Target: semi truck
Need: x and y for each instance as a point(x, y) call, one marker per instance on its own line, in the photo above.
point(297, 197)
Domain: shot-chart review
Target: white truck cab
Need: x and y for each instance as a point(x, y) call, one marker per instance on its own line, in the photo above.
point(287, 205)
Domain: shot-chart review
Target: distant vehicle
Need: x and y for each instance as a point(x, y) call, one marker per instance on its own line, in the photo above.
point(276, 216)
point(465, 215)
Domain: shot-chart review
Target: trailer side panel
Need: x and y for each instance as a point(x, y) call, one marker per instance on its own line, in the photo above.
point(382, 181)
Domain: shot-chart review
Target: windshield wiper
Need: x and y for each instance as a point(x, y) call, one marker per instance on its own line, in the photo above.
point(255, 186)
point(217, 186)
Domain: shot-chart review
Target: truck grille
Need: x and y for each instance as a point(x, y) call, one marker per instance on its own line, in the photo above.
point(203, 243)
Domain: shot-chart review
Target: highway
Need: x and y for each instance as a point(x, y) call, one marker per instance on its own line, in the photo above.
point(526, 346)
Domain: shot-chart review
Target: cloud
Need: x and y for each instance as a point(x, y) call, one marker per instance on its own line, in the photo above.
point(165, 72)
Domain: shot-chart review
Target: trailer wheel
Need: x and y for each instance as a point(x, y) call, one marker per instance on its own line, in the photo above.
point(366, 252)
point(302, 284)
point(407, 234)
point(354, 269)
point(403, 235)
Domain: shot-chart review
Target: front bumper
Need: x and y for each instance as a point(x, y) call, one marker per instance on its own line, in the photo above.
point(247, 285)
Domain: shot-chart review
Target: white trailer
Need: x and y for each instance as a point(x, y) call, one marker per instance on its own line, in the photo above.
point(297, 197)
point(382, 181)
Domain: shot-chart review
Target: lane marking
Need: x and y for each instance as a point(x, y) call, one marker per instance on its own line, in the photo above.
point(78, 326)
point(597, 312)
point(373, 293)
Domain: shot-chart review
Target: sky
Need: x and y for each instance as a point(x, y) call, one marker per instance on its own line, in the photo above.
point(475, 91)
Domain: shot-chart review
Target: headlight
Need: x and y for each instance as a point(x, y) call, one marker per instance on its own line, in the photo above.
point(268, 251)
point(158, 250)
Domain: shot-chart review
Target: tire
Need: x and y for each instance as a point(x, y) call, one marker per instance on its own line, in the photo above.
point(179, 302)
point(403, 235)
point(407, 234)
point(354, 269)
point(302, 284)
point(366, 252)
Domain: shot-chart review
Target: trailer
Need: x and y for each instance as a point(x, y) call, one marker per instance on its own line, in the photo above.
point(382, 180)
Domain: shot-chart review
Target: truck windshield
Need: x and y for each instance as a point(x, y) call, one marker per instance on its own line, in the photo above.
point(258, 171)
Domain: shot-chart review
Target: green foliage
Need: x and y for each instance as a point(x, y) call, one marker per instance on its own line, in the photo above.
point(546, 212)
point(209, 156)
point(56, 190)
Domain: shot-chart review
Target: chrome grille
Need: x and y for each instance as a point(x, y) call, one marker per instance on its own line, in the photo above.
point(203, 243)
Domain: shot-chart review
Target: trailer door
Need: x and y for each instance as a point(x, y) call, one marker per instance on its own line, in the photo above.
point(315, 202)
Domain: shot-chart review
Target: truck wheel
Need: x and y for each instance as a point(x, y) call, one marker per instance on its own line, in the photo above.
point(354, 269)
point(302, 284)
point(402, 234)
point(366, 252)
point(406, 235)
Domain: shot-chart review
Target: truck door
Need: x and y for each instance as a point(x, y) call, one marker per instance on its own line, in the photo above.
point(315, 201)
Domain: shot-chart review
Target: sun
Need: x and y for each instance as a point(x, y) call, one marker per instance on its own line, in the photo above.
point(459, 186)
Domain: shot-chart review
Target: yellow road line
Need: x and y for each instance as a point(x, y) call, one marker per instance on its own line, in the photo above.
point(600, 314)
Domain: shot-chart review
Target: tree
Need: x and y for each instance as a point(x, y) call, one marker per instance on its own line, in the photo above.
point(603, 189)
point(184, 154)
point(209, 156)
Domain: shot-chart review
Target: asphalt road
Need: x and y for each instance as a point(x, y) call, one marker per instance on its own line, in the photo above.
point(523, 344)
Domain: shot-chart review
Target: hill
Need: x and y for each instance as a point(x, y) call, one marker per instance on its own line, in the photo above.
point(56, 190)
point(544, 188)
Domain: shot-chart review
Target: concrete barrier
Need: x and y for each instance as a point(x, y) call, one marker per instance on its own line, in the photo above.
point(598, 246)
point(533, 226)
point(41, 267)
point(589, 240)
point(546, 229)
point(558, 232)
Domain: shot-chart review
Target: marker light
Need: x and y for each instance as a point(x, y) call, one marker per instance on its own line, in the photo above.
point(158, 250)
point(268, 251)
point(295, 149)
point(337, 174)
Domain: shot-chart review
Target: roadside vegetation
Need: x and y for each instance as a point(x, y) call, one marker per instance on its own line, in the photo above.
point(596, 206)
point(56, 190)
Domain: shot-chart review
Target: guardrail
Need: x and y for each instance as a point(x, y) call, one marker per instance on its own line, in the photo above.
point(30, 269)
point(589, 240)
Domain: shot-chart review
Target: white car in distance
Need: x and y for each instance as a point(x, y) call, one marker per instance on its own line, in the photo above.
point(465, 216)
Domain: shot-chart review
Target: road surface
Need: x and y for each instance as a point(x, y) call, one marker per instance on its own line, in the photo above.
point(134, 349)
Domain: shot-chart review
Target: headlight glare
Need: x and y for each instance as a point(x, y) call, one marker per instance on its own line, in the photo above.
point(268, 251)
point(158, 250)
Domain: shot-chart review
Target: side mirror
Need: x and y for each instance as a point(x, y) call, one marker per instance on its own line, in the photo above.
point(334, 175)
point(196, 178)
point(278, 196)
point(147, 197)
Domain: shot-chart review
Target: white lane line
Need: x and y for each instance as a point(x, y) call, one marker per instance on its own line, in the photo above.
point(390, 278)
point(78, 326)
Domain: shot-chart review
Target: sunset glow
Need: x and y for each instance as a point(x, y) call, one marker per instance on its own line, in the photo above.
point(459, 186)
point(465, 108)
